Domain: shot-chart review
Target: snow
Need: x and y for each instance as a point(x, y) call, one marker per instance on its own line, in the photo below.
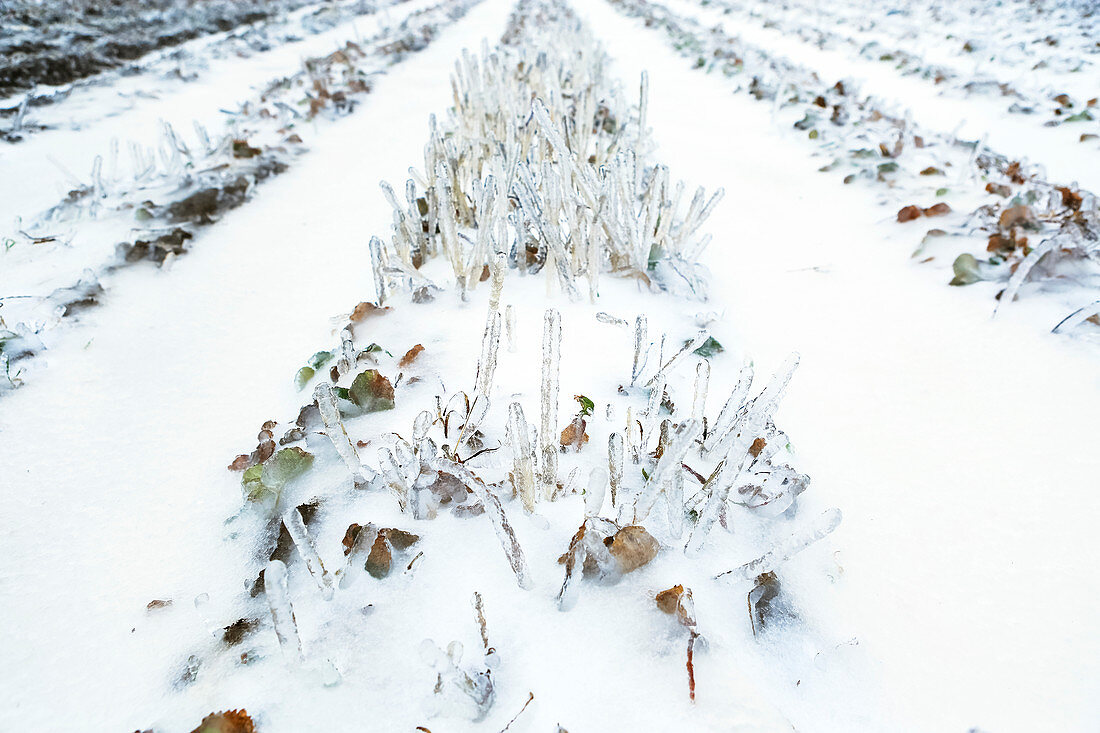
point(966, 541)
point(960, 448)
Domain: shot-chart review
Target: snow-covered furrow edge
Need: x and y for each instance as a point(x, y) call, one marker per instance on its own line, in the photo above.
point(1042, 92)
point(1032, 234)
point(43, 108)
point(395, 495)
point(155, 212)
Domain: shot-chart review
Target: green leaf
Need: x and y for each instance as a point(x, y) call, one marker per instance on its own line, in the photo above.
point(889, 167)
point(301, 379)
point(587, 405)
point(966, 270)
point(709, 348)
point(941, 192)
point(342, 392)
point(1082, 116)
point(371, 391)
point(263, 483)
point(285, 466)
point(319, 359)
point(374, 349)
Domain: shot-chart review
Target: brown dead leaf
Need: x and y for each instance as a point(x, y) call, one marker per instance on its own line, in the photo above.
point(632, 547)
point(937, 209)
point(909, 213)
point(1070, 199)
point(157, 603)
point(757, 447)
point(380, 559)
point(410, 356)
point(240, 463)
point(999, 189)
point(400, 539)
point(231, 721)
point(365, 309)
point(1017, 216)
point(669, 600)
point(574, 436)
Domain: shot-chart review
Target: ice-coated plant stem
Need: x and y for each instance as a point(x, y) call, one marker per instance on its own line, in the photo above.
point(334, 429)
point(794, 544)
point(548, 446)
point(282, 612)
point(615, 465)
point(597, 489)
point(641, 347)
point(523, 455)
point(495, 510)
point(296, 527)
point(510, 326)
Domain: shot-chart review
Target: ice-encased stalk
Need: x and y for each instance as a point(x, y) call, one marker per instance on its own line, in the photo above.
point(282, 612)
point(679, 356)
point(334, 429)
point(641, 347)
point(548, 446)
point(794, 544)
point(490, 345)
point(702, 381)
point(394, 477)
point(615, 465)
point(495, 510)
point(510, 326)
point(680, 441)
point(674, 495)
point(296, 527)
point(523, 463)
point(597, 489)
point(378, 264)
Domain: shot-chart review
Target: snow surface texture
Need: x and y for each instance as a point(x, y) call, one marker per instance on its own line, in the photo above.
point(965, 547)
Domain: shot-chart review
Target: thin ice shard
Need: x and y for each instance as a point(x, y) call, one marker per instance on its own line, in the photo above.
point(615, 465)
point(670, 461)
point(282, 612)
point(334, 429)
point(523, 457)
point(641, 348)
point(296, 527)
point(548, 443)
point(794, 544)
point(495, 510)
point(597, 489)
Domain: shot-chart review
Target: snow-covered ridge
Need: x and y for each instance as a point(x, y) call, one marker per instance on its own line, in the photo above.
point(645, 499)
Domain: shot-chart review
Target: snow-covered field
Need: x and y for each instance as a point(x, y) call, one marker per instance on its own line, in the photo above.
point(734, 459)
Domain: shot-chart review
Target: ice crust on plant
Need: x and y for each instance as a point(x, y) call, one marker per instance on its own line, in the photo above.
point(542, 165)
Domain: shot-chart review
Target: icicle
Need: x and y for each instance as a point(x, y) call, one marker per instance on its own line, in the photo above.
point(487, 364)
point(548, 448)
point(615, 465)
point(495, 510)
point(510, 326)
point(702, 380)
point(681, 440)
point(597, 488)
point(794, 544)
point(679, 356)
point(334, 429)
point(282, 612)
point(641, 348)
point(394, 477)
point(523, 454)
point(674, 494)
point(296, 527)
point(378, 264)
